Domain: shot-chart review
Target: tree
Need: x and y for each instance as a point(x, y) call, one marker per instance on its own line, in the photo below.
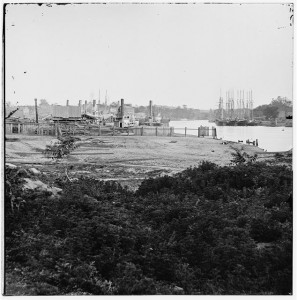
point(11, 113)
point(43, 102)
point(270, 112)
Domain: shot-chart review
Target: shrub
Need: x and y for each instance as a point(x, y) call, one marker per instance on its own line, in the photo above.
point(201, 231)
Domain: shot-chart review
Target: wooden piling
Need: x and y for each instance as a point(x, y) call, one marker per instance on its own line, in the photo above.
point(185, 131)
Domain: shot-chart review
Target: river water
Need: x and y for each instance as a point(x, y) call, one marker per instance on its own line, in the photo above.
point(269, 138)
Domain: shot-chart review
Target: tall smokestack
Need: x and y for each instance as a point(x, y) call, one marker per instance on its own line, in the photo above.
point(94, 107)
point(86, 104)
point(36, 110)
point(122, 108)
point(151, 108)
point(79, 105)
point(67, 102)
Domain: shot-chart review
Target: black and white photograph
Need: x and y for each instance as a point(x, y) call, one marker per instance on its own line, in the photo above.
point(147, 149)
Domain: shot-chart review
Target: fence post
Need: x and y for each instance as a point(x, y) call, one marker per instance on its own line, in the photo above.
point(156, 131)
point(113, 130)
point(214, 132)
point(185, 131)
point(198, 131)
point(19, 128)
point(59, 130)
point(141, 131)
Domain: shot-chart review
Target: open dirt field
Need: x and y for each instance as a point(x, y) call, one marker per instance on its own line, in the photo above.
point(126, 159)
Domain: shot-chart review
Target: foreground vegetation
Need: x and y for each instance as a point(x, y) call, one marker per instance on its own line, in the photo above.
point(207, 230)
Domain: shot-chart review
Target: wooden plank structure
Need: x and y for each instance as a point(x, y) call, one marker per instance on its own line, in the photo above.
point(30, 128)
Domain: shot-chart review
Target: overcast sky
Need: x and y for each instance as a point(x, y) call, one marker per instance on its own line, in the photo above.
point(171, 54)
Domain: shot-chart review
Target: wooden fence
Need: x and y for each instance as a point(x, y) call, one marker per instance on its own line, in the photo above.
point(99, 130)
point(31, 128)
point(200, 131)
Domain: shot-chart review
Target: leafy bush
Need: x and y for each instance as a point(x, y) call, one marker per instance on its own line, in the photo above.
point(207, 230)
point(241, 157)
point(61, 148)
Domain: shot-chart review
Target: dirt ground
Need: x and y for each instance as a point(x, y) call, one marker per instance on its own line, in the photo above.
point(126, 159)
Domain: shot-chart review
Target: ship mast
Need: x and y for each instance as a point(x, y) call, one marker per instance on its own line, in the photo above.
point(221, 106)
point(252, 105)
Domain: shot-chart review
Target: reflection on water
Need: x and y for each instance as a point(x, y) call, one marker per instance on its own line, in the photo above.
point(269, 138)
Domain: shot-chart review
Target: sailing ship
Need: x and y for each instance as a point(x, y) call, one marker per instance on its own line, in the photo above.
point(241, 115)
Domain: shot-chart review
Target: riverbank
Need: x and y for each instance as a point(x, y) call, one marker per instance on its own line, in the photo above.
point(126, 159)
point(269, 138)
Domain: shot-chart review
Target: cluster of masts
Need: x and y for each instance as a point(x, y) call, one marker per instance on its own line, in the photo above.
point(244, 105)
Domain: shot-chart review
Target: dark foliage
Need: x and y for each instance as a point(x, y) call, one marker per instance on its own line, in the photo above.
point(62, 148)
point(271, 111)
point(207, 230)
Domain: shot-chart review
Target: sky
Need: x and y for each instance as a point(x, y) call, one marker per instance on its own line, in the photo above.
point(172, 54)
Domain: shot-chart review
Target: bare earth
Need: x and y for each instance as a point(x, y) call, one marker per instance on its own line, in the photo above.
point(127, 159)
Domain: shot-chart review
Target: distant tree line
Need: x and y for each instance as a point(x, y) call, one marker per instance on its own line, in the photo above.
point(175, 113)
point(271, 111)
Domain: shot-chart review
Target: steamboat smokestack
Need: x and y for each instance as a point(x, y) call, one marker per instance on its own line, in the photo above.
point(94, 106)
point(36, 111)
point(122, 108)
point(151, 108)
point(67, 102)
point(86, 103)
point(79, 105)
